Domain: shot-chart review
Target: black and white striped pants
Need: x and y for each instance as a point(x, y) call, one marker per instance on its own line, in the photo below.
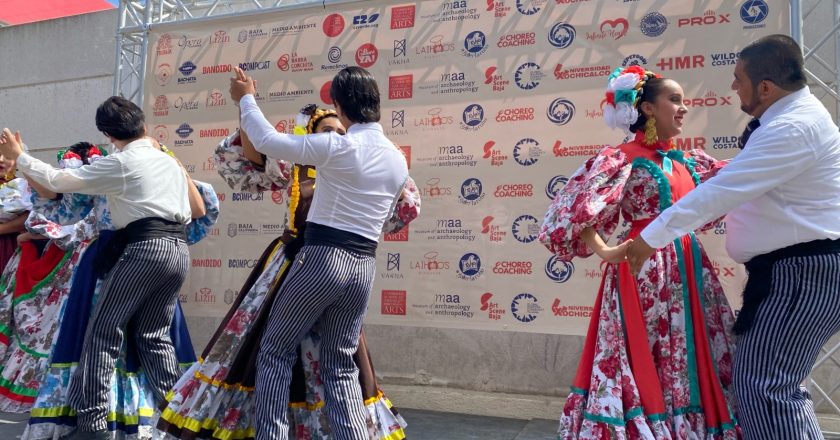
point(138, 296)
point(329, 286)
point(775, 356)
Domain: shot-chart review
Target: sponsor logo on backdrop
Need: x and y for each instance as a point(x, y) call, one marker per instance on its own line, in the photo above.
point(469, 267)
point(161, 133)
point(753, 13)
point(568, 2)
point(472, 118)
point(499, 8)
point(494, 233)
point(163, 74)
point(363, 21)
point(611, 30)
point(393, 302)
point(401, 87)
point(685, 62)
point(184, 131)
point(446, 304)
point(161, 106)
point(452, 156)
point(690, 143)
point(218, 68)
point(325, 93)
point(559, 271)
point(213, 132)
point(400, 53)
point(495, 79)
point(186, 41)
point(220, 37)
point(472, 192)
point(596, 274)
point(527, 152)
point(392, 267)
point(653, 24)
point(286, 95)
point(530, 7)
point(453, 11)
point(451, 83)
point(562, 35)
point(247, 197)
point(560, 150)
point(528, 76)
point(710, 99)
point(251, 34)
point(271, 229)
point(366, 55)
point(285, 125)
point(210, 165)
point(514, 190)
point(215, 99)
point(401, 235)
point(447, 229)
point(724, 142)
point(525, 228)
point(294, 63)
point(291, 29)
point(494, 311)
point(164, 45)
point(497, 158)
point(187, 69)
point(242, 263)
point(512, 268)
point(570, 311)
point(333, 25)
point(205, 295)
point(560, 111)
point(525, 307)
point(277, 197)
point(397, 124)
point(434, 189)
point(431, 264)
point(186, 104)
point(723, 58)
point(334, 58)
point(435, 45)
point(555, 184)
point(709, 17)
point(517, 40)
point(597, 113)
point(475, 44)
point(402, 17)
point(236, 229)
point(723, 271)
point(561, 73)
point(634, 60)
point(516, 114)
point(206, 262)
point(230, 296)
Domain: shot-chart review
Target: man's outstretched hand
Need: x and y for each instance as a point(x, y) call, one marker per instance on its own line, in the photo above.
point(10, 144)
point(241, 85)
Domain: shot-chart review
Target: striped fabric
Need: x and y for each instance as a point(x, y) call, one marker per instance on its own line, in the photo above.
point(329, 286)
point(800, 315)
point(138, 296)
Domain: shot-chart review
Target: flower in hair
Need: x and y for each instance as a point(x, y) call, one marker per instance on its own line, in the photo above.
point(70, 160)
point(624, 89)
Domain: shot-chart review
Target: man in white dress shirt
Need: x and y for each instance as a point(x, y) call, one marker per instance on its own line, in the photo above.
point(360, 177)
point(148, 257)
point(782, 196)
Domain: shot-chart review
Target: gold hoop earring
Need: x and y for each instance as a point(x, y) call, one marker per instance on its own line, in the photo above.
point(650, 131)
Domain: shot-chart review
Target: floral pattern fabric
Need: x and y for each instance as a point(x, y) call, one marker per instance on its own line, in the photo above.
point(14, 199)
point(605, 190)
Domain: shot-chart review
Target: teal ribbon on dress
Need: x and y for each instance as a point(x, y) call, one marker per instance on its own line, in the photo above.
point(668, 157)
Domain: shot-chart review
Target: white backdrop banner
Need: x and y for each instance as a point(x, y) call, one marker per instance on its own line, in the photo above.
point(495, 104)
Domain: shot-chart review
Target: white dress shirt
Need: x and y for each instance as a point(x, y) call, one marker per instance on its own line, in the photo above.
point(782, 189)
point(360, 174)
point(139, 182)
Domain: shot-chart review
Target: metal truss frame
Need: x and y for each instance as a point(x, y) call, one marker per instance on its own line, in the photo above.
point(138, 16)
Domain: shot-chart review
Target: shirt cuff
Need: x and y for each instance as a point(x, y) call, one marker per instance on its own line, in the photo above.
point(247, 99)
point(656, 235)
point(24, 161)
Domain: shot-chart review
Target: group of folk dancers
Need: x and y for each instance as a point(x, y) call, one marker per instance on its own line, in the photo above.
point(94, 344)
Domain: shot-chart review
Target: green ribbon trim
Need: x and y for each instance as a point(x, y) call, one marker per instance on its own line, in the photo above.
point(693, 383)
point(46, 280)
point(17, 389)
point(30, 351)
point(580, 391)
point(5, 330)
point(65, 411)
point(659, 177)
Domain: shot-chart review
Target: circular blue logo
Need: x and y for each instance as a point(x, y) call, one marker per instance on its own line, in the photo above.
point(525, 307)
point(474, 42)
point(526, 152)
point(554, 185)
point(184, 130)
point(557, 270)
point(187, 68)
point(473, 115)
point(334, 55)
point(654, 24)
point(561, 35)
point(754, 11)
point(525, 228)
point(528, 76)
point(470, 264)
point(472, 189)
point(561, 111)
point(529, 7)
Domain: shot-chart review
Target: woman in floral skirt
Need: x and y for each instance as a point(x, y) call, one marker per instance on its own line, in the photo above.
point(214, 399)
point(657, 361)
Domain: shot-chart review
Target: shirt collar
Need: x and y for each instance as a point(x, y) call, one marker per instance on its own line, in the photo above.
point(364, 127)
point(143, 142)
point(779, 106)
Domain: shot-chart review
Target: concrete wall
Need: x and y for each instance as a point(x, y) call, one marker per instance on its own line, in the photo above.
point(62, 69)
